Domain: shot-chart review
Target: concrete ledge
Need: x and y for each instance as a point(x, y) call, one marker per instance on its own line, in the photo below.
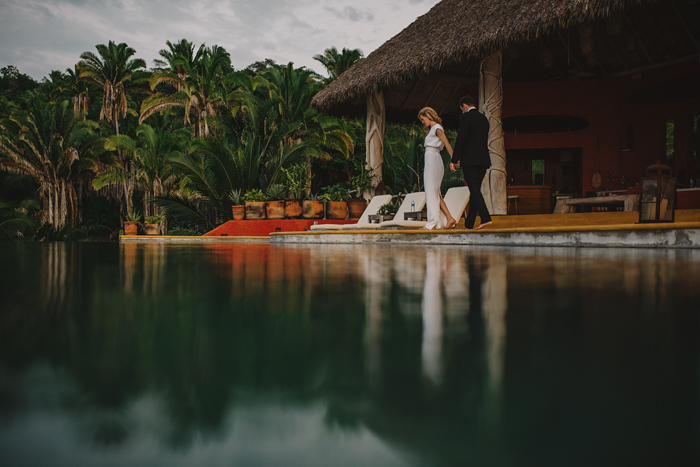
point(686, 235)
point(190, 240)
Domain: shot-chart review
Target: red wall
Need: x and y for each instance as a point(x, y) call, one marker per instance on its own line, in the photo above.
point(604, 103)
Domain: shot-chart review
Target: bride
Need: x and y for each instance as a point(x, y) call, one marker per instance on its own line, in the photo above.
point(434, 170)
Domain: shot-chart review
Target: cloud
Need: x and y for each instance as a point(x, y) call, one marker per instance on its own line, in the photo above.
point(41, 35)
point(351, 13)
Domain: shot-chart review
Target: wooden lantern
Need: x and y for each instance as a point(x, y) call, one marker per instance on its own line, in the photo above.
point(658, 198)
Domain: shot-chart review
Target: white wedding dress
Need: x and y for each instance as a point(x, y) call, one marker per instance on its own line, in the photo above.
point(432, 178)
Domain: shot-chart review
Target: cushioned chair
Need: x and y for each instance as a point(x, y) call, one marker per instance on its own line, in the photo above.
point(418, 198)
point(456, 200)
point(371, 208)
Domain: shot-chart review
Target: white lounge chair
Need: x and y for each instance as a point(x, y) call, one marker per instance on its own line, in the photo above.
point(456, 200)
point(374, 205)
point(371, 208)
point(418, 198)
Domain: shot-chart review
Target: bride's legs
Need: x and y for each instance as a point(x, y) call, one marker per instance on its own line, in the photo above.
point(451, 221)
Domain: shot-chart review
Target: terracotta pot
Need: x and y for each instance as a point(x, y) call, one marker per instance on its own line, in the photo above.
point(312, 209)
point(357, 208)
point(275, 209)
point(238, 213)
point(255, 210)
point(337, 209)
point(292, 208)
point(151, 229)
point(131, 228)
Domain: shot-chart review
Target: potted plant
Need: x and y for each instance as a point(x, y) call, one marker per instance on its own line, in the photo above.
point(131, 224)
point(254, 204)
point(275, 204)
point(361, 182)
point(336, 198)
point(237, 208)
point(152, 224)
point(312, 207)
point(387, 211)
point(297, 183)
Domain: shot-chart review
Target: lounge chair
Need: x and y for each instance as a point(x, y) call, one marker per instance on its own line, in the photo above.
point(418, 198)
point(456, 200)
point(371, 208)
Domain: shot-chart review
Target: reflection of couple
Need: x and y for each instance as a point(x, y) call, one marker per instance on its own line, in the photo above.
point(471, 153)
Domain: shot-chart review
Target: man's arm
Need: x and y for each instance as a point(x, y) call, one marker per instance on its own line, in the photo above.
point(461, 138)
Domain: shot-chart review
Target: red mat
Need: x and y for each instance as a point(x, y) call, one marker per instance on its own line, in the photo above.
point(263, 228)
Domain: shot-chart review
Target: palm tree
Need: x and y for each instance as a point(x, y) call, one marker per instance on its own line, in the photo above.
point(151, 152)
point(336, 63)
point(199, 85)
point(116, 72)
point(52, 146)
point(77, 91)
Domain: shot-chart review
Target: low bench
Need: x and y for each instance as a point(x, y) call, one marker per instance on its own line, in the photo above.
point(569, 205)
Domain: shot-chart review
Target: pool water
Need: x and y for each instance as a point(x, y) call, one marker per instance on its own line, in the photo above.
point(347, 355)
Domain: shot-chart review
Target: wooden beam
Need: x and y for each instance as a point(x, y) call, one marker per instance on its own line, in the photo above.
point(639, 41)
point(405, 102)
point(660, 36)
point(685, 26)
point(654, 66)
point(432, 93)
point(617, 50)
point(569, 53)
point(449, 99)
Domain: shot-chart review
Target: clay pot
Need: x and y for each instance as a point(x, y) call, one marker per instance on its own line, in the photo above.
point(275, 209)
point(357, 208)
point(312, 209)
point(151, 229)
point(337, 209)
point(292, 208)
point(238, 212)
point(255, 210)
point(131, 228)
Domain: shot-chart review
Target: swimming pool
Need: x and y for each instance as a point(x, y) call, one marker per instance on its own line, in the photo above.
point(318, 355)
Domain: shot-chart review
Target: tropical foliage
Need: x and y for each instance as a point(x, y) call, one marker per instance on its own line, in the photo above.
point(188, 139)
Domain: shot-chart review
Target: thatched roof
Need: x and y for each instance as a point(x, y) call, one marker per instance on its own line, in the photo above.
point(456, 31)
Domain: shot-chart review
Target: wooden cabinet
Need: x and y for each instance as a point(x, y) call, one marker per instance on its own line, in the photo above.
point(534, 199)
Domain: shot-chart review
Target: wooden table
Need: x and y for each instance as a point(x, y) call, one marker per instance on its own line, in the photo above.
point(532, 199)
point(629, 202)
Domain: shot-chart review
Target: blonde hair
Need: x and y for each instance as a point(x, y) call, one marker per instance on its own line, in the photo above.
point(430, 113)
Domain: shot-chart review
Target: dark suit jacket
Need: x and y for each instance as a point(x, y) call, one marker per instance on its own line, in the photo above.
point(471, 148)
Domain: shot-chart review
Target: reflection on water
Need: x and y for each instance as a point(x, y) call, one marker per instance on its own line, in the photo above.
point(347, 355)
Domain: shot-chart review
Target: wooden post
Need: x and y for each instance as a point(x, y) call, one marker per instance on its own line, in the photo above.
point(490, 104)
point(376, 121)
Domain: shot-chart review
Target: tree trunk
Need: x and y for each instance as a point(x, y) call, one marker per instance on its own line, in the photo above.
point(490, 103)
point(374, 140)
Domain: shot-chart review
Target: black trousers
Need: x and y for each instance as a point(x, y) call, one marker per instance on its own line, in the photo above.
point(474, 176)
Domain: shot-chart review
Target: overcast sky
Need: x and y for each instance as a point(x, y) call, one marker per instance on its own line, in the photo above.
point(38, 36)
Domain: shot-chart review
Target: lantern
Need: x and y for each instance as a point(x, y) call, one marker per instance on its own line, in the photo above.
point(658, 199)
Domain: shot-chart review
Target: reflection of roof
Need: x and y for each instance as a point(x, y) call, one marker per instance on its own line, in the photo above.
point(436, 57)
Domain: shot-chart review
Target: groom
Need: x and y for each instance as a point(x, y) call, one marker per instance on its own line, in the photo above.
point(472, 154)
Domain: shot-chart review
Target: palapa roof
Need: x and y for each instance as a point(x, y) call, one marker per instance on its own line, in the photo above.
point(440, 51)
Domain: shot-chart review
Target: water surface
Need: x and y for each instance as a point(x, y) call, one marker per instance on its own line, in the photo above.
point(334, 355)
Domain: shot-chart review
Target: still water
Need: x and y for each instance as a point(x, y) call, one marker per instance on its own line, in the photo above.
point(257, 355)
